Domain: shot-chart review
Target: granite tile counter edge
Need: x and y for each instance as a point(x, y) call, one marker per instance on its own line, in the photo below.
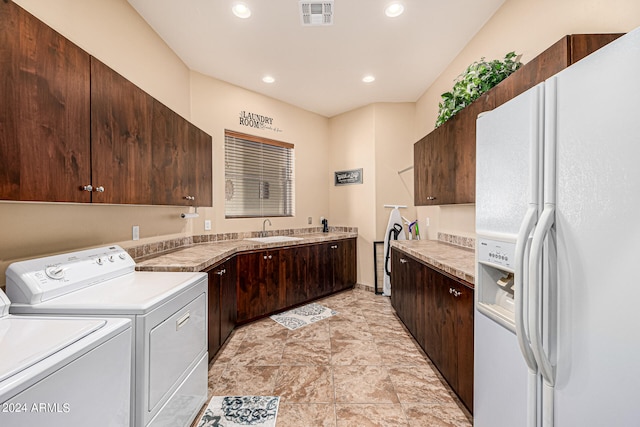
point(198, 256)
point(432, 257)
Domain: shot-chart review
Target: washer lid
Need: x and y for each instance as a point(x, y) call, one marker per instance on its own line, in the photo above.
point(4, 304)
point(28, 340)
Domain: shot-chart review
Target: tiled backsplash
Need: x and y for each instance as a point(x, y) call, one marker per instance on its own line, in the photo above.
point(465, 242)
point(156, 248)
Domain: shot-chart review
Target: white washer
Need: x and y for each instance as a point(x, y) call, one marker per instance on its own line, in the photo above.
point(168, 311)
point(63, 371)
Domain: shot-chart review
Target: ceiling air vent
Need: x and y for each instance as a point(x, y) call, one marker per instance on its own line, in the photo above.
point(316, 13)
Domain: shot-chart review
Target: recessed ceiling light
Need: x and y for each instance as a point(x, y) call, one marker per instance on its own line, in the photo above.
point(241, 10)
point(268, 79)
point(394, 9)
point(368, 79)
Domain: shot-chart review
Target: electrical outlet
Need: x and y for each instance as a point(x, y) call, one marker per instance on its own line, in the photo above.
point(310, 220)
point(135, 232)
point(207, 224)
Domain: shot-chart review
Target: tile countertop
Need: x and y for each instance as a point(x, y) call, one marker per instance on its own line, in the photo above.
point(200, 256)
point(455, 260)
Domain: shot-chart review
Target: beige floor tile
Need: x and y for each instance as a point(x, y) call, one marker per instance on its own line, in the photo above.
point(350, 331)
point(368, 415)
point(305, 384)
point(306, 415)
point(215, 373)
point(246, 381)
point(401, 352)
point(265, 329)
point(354, 352)
point(363, 384)
point(436, 415)
point(306, 352)
point(419, 385)
point(258, 353)
point(358, 368)
point(315, 331)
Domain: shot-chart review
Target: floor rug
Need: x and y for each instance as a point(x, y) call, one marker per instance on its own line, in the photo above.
point(302, 316)
point(235, 411)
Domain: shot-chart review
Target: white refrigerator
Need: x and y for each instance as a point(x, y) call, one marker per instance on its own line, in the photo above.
point(557, 325)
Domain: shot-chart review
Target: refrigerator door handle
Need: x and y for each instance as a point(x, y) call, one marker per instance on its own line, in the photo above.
point(522, 241)
point(545, 223)
point(519, 279)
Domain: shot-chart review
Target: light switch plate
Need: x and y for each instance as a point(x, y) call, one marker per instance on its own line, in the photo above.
point(207, 224)
point(135, 232)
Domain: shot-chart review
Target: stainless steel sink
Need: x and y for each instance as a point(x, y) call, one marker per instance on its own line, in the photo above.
point(273, 239)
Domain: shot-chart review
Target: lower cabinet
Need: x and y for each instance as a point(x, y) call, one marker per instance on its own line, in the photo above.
point(222, 303)
point(438, 311)
point(273, 280)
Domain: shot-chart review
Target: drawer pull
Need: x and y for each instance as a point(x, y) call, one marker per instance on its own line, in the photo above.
point(183, 320)
point(404, 261)
point(456, 293)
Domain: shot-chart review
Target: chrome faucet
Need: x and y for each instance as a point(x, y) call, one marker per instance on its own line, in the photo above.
point(264, 224)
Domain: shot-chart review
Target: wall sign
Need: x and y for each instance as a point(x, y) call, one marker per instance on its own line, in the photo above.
point(353, 176)
point(257, 121)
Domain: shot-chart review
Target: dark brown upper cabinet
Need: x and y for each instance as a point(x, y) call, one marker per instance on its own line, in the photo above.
point(44, 113)
point(181, 168)
point(121, 138)
point(74, 130)
point(445, 159)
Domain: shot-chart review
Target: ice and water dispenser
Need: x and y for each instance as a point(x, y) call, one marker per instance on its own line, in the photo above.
point(494, 284)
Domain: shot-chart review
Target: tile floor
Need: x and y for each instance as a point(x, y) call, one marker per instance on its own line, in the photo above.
point(358, 368)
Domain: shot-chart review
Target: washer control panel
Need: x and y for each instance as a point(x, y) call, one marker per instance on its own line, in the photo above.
point(41, 279)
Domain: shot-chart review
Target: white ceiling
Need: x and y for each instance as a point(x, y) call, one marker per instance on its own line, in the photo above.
point(320, 68)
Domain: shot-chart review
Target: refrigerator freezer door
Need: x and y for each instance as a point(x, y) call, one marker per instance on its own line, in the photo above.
point(508, 151)
point(508, 198)
point(501, 375)
point(598, 230)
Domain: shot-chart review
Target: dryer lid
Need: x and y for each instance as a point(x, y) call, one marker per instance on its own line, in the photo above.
point(29, 340)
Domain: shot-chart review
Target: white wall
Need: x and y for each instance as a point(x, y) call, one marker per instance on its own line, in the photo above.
point(216, 106)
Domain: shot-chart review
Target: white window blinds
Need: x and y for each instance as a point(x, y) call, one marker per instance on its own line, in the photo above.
point(259, 176)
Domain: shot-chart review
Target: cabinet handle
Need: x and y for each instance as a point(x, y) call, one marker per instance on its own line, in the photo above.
point(456, 293)
point(189, 197)
point(91, 188)
point(270, 257)
point(267, 256)
point(404, 261)
point(431, 198)
point(221, 272)
point(334, 246)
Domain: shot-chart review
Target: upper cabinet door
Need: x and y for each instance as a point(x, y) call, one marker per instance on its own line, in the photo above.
point(44, 113)
point(182, 173)
point(121, 138)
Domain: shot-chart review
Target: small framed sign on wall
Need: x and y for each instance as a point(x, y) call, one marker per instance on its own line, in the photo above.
point(353, 176)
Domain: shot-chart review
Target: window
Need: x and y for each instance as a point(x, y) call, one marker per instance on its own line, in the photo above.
point(258, 176)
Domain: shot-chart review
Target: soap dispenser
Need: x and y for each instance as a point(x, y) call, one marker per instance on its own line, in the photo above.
point(325, 225)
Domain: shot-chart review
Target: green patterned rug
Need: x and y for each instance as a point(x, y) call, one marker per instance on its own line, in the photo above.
point(236, 411)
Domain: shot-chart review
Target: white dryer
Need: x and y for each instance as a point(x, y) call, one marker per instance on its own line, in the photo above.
point(66, 372)
point(168, 311)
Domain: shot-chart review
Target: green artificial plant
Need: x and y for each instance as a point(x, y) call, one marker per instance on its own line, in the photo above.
point(478, 78)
